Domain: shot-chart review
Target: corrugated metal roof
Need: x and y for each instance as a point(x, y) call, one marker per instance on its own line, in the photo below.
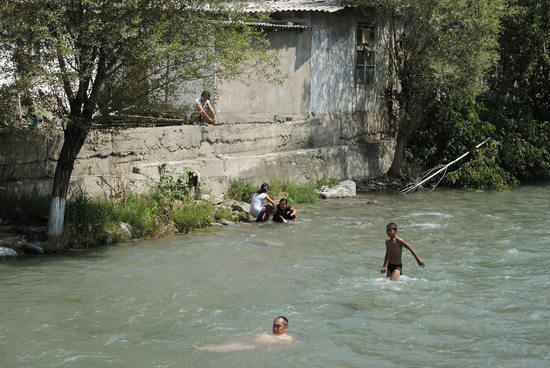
point(329, 6)
point(279, 25)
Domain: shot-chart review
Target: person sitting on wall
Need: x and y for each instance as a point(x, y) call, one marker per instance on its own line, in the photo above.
point(204, 111)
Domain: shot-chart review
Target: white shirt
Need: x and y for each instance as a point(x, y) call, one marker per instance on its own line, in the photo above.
point(257, 203)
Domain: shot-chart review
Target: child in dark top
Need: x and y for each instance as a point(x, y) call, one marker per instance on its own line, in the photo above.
point(284, 212)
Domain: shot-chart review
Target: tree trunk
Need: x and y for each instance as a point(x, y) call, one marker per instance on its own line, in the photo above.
point(405, 127)
point(74, 137)
point(399, 156)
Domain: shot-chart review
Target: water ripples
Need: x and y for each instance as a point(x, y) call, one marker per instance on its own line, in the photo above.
point(480, 302)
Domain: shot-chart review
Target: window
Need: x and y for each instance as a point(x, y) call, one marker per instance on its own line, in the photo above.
point(364, 57)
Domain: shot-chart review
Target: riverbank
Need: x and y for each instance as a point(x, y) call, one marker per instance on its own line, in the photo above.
point(24, 239)
point(169, 209)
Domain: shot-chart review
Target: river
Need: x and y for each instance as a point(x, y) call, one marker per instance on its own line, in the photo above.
point(482, 300)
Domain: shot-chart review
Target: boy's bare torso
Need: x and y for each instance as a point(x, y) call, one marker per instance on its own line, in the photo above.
point(394, 250)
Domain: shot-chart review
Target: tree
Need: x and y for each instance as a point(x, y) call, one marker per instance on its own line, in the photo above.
point(86, 60)
point(437, 49)
point(518, 102)
point(514, 110)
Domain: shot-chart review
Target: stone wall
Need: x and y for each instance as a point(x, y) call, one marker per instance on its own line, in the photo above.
point(112, 162)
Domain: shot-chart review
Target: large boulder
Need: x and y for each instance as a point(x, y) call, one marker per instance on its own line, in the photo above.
point(32, 248)
point(345, 189)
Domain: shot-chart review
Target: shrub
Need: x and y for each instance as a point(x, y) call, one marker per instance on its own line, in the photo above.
point(88, 222)
point(326, 181)
point(241, 190)
point(174, 187)
point(143, 213)
point(193, 216)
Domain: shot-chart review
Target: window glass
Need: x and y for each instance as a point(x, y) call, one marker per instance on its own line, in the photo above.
point(364, 54)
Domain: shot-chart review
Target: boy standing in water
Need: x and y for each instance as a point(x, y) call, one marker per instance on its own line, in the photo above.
point(394, 248)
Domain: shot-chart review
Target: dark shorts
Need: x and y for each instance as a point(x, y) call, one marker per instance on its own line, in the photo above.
point(392, 267)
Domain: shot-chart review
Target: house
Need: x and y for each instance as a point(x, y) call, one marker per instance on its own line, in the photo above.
point(333, 59)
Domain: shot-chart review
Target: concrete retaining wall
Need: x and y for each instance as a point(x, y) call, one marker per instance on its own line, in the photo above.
point(112, 162)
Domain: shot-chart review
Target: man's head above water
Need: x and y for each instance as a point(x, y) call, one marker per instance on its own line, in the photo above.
point(280, 325)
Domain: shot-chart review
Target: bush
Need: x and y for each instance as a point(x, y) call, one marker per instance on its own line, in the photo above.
point(193, 216)
point(143, 213)
point(329, 182)
point(173, 187)
point(88, 222)
point(241, 190)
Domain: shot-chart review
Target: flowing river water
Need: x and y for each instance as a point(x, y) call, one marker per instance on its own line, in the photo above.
point(482, 300)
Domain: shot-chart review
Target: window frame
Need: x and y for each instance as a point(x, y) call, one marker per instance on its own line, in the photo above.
point(365, 54)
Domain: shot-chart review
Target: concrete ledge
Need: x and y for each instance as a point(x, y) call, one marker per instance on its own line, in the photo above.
point(130, 160)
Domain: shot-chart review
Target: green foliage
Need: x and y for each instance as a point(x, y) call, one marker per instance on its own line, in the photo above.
point(166, 210)
point(196, 216)
point(295, 192)
point(172, 187)
point(221, 213)
point(514, 111)
point(58, 48)
point(482, 171)
point(89, 222)
point(145, 215)
point(241, 190)
point(453, 128)
point(438, 49)
point(326, 181)
point(518, 103)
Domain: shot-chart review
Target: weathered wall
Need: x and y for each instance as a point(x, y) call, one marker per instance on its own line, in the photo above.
point(113, 162)
point(261, 100)
point(319, 63)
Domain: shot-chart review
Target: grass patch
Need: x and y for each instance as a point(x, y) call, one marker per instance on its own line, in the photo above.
point(242, 190)
point(144, 214)
point(190, 217)
point(295, 192)
point(88, 222)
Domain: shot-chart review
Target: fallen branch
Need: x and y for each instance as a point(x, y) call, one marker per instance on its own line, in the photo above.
point(433, 172)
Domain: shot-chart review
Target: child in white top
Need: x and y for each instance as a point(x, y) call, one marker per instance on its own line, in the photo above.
point(258, 206)
point(204, 111)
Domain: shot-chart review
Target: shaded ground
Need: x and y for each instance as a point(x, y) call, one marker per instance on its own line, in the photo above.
point(17, 236)
point(381, 184)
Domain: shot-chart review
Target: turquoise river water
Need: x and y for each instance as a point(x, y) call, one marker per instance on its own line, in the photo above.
point(482, 300)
